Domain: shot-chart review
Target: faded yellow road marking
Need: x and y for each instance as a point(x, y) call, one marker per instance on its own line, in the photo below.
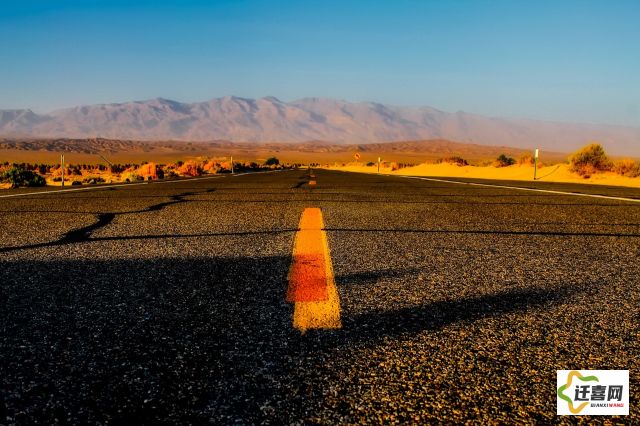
point(312, 287)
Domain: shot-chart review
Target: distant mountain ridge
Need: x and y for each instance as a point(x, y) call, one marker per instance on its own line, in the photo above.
point(90, 149)
point(311, 119)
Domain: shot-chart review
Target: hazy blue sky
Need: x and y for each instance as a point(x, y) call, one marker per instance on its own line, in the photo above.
point(558, 60)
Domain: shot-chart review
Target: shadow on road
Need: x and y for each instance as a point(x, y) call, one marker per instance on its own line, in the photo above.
point(177, 340)
point(138, 341)
point(372, 326)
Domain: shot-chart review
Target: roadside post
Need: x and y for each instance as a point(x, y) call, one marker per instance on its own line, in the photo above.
point(535, 164)
point(104, 158)
point(62, 167)
point(231, 164)
point(378, 165)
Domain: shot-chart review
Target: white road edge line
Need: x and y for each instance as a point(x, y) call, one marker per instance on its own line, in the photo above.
point(124, 185)
point(548, 191)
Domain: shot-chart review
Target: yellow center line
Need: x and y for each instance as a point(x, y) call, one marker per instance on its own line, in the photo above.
point(312, 287)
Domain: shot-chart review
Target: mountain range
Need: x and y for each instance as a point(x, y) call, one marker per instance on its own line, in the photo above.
point(310, 119)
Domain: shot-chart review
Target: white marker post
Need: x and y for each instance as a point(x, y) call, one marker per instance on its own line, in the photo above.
point(62, 166)
point(535, 164)
point(378, 165)
point(231, 164)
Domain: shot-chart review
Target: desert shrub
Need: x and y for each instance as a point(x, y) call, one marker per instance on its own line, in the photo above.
point(459, 161)
point(76, 183)
point(589, 160)
point(272, 161)
point(526, 159)
point(190, 168)
point(21, 177)
point(504, 161)
point(93, 179)
point(131, 176)
point(627, 167)
point(371, 164)
point(116, 168)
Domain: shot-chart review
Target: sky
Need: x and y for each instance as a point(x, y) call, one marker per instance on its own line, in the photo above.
point(576, 61)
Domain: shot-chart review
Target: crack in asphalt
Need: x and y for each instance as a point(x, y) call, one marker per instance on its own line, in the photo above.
point(489, 232)
point(83, 234)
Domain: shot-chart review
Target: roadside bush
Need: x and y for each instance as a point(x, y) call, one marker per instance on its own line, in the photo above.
point(458, 161)
point(20, 177)
point(525, 159)
point(627, 167)
point(190, 168)
point(76, 182)
point(272, 161)
point(504, 161)
point(131, 177)
point(589, 160)
point(93, 179)
point(371, 164)
point(116, 168)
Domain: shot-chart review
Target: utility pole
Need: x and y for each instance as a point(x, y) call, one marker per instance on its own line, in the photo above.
point(535, 165)
point(62, 166)
point(103, 157)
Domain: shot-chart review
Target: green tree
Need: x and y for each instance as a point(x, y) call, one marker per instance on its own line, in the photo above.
point(21, 177)
point(504, 161)
point(273, 161)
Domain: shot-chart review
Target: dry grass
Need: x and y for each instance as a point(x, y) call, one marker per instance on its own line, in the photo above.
point(627, 167)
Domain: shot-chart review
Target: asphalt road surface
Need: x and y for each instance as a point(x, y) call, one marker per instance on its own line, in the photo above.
point(165, 303)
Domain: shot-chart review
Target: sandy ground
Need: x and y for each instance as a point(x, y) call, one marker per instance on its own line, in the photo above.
point(555, 173)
